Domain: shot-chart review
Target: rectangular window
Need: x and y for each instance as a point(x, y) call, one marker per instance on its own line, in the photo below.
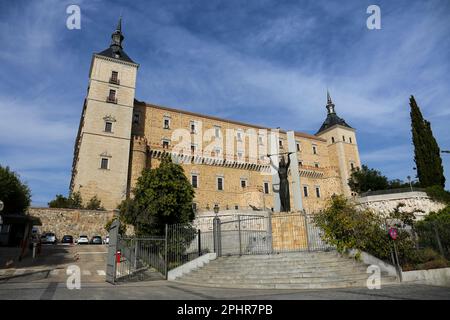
point(298, 147)
point(280, 143)
point(165, 144)
point(112, 96)
point(243, 183)
point(343, 138)
point(314, 149)
point(305, 191)
point(220, 183)
point(217, 131)
point(239, 136)
point(352, 166)
point(114, 77)
point(332, 139)
point(193, 128)
point(136, 118)
point(166, 123)
point(192, 149)
point(350, 139)
point(266, 187)
point(194, 181)
point(316, 165)
point(104, 163)
point(300, 163)
point(108, 126)
point(317, 192)
point(236, 207)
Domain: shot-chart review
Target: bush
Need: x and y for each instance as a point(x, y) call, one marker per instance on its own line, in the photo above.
point(74, 201)
point(437, 193)
point(94, 204)
point(435, 222)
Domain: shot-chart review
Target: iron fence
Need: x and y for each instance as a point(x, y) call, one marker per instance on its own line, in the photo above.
point(229, 235)
point(135, 255)
point(289, 232)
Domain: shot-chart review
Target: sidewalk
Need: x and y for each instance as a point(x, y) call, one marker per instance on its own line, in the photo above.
point(49, 258)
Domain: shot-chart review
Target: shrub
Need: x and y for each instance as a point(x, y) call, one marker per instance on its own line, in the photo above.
point(437, 193)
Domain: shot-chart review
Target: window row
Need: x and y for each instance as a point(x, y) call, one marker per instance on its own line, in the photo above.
point(306, 191)
point(333, 140)
point(220, 183)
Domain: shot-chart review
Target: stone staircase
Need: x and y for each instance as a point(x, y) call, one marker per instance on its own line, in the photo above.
point(299, 270)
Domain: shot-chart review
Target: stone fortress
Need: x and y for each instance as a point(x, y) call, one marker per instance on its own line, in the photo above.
point(226, 161)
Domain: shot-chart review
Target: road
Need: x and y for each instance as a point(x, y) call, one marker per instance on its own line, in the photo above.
point(46, 278)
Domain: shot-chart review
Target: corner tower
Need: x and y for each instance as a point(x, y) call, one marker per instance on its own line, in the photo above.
point(102, 147)
point(341, 143)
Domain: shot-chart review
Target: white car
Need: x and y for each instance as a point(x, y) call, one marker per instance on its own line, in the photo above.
point(83, 240)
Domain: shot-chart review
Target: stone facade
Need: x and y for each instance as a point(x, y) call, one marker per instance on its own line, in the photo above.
point(74, 222)
point(413, 201)
point(211, 150)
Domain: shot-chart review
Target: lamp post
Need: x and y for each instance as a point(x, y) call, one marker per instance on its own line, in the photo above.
point(409, 180)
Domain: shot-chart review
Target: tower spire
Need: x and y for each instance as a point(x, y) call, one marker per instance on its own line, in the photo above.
point(117, 36)
point(330, 104)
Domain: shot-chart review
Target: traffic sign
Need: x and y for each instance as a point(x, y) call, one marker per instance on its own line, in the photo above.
point(393, 233)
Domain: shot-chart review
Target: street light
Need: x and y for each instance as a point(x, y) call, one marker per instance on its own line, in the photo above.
point(216, 209)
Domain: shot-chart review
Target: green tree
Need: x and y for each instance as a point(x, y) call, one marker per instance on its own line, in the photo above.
point(366, 179)
point(15, 194)
point(435, 222)
point(426, 150)
point(74, 201)
point(94, 204)
point(163, 195)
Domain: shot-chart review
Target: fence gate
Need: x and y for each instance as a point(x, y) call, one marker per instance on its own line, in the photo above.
point(283, 232)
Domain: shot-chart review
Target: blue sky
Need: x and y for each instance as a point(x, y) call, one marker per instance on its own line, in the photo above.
point(264, 62)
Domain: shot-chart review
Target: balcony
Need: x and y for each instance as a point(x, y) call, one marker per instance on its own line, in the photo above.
point(114, 81)
point(111, 99)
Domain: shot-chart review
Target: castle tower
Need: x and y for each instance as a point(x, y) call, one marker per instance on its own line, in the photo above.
point(102, 147)
point(138, 159)
point(341, 144)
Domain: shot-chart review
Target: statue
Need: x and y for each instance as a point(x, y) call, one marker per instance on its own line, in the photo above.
point(285, 199)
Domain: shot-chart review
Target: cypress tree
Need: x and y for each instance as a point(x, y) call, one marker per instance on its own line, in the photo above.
point(426, 150)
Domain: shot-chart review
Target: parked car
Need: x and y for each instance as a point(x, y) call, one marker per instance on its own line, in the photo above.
point(67, 239)
point(106, 241)
point(96, 240)
point(48, 237)
point(83, 240)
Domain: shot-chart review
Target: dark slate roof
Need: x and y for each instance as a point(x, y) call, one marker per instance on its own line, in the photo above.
point(331, 120)
point(110, 53)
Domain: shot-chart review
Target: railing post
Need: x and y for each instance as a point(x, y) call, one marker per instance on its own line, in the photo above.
point(438, 239)
point(135, 253)
point(217, 236)
point(199, 235)
point(306, 230)
point(166, 262)
point(269, 232)
point(239, 233)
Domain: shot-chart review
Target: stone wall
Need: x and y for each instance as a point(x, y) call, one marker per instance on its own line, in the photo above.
point(413, 201)
point(73, 222)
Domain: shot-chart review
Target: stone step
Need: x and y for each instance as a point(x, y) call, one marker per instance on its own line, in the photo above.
point(300, 286)
point(283, 266)
point(262, 271)
point(287, 274)
point(274, 280)
point(307, 255)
